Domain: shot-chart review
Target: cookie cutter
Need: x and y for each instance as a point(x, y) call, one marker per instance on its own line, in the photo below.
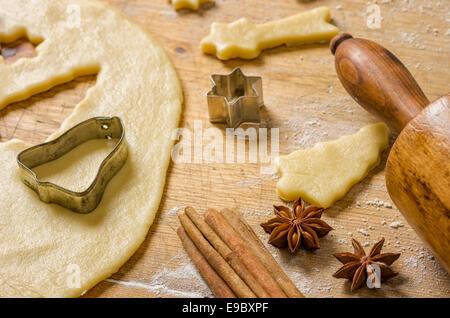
point(87, 200)
point(235, 99)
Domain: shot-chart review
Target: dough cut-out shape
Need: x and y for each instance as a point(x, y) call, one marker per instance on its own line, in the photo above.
point(188, 4)
point(325, 173)
point(46, 250)
point(243, 39)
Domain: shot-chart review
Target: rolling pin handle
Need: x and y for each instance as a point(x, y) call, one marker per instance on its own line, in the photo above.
point(338, 39)
point(377, 80)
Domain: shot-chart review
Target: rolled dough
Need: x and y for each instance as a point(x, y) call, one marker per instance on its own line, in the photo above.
point(46, 250)
point(323, 174)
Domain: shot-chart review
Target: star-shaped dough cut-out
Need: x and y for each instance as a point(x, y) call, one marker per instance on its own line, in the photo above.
point(188, 4)
point(235, 99)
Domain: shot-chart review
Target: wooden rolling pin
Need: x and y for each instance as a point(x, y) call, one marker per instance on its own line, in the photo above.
point(418, 167)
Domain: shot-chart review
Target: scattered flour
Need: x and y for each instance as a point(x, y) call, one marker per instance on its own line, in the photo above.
point(363, 232)
point(341, 241)
point(183, 281)
point(174, 211)
point(396, 224)
point(379, 203)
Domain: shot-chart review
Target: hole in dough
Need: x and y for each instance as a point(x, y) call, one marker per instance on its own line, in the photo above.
point(37, 117)
point(22, 48)
point(18, 45)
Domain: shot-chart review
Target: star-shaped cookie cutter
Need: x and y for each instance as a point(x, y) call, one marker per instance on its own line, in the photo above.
point(235, 99)
point(87, 200)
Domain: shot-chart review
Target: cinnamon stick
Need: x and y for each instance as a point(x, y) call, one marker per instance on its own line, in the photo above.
point(215, 283)
point(241, 226)
point(226, 253)
point(243, 251)
point(215, 260)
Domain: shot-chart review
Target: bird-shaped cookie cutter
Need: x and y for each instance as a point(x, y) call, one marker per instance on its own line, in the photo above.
point(87, 200)
point(235, 99)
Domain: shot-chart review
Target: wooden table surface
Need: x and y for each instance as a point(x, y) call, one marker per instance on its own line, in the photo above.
point(305, 100)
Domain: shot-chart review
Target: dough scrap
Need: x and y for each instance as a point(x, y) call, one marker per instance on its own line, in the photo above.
point(188, 4)
point(325, 173)
point(243, 39)
point(44, 247)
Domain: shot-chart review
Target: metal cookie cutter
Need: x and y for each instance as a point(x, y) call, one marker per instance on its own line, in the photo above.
point(235, 99)
point(88, 200)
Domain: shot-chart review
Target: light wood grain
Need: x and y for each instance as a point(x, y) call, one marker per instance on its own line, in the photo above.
point(304, 98)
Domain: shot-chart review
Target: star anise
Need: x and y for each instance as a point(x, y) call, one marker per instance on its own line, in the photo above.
point(296, 227)
point(357, 266)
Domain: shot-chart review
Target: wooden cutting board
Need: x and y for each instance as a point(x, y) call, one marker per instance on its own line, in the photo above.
point(304, 99)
